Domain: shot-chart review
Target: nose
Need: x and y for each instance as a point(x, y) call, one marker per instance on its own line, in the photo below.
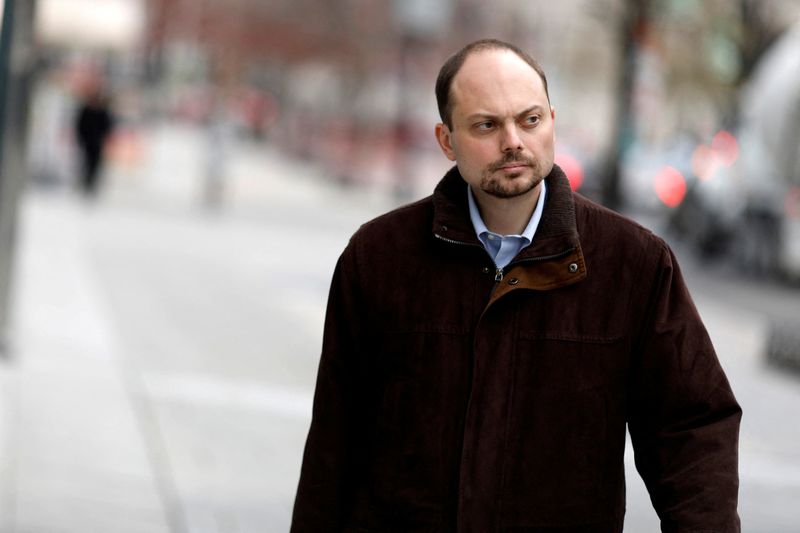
point(510, 140)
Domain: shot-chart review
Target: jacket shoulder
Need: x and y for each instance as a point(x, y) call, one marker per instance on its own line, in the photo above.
point(613, 241)
point(597, 222)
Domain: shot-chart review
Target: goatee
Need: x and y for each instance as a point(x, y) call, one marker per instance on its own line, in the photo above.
point(512, 185)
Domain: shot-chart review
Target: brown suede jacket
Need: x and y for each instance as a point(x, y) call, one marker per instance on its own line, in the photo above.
point(450, 400)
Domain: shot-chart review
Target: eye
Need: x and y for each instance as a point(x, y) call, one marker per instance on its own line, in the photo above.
point(531, 120)
point(484, 126)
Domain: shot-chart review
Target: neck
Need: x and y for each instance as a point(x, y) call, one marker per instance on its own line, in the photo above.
point(507, 216)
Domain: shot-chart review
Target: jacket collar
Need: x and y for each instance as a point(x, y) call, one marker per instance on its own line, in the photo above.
point(557, 230)
point(555, 258)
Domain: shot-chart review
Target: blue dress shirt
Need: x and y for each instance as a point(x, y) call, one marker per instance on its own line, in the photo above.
point(503, 248)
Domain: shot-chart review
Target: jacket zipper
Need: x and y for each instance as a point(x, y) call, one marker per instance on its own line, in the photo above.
point(498, 277)
point(499, 272)
point(451, 241)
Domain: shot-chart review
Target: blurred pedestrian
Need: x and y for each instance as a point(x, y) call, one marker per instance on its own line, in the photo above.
point(486, 347)
point(94, 123)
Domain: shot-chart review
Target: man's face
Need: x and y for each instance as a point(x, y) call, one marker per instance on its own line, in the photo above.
point(503, 125)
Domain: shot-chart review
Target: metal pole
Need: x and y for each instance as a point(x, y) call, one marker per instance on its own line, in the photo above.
point(5, 51)
point(16, 77)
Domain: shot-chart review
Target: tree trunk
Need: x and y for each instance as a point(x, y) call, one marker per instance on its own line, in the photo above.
point(633, 26)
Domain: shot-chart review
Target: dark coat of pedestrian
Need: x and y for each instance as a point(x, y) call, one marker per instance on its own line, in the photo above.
point(458, 392)
point(94, 123)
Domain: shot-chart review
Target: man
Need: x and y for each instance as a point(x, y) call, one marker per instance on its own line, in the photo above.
point(93, 126)
point(485, 348)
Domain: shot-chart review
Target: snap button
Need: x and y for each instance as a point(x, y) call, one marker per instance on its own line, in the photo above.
point(513, 281)
point(573, 267)
point(485, 270)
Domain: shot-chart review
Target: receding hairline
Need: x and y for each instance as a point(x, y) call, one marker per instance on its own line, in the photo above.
point(484, 51)
point(454, 64)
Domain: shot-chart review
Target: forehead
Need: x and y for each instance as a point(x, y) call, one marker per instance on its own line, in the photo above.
point(496, 81)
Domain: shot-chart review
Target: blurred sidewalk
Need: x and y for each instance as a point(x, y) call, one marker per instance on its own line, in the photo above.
point(155, 381)
point(164, 354)
point(75, 457)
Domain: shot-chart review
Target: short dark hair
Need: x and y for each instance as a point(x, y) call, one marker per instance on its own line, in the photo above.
point(444, 81)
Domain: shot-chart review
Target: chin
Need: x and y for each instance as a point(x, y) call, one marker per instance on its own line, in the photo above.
point(512, 187)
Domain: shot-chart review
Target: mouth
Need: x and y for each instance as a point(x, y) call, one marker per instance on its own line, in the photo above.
point(514, 167)
point(510, 165)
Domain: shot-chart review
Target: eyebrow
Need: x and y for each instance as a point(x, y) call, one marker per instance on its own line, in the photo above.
point(531, 109)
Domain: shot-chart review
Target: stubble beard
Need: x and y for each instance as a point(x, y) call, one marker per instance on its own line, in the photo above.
point(511, 185)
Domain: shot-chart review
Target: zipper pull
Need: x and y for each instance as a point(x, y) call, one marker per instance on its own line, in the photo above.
point(498, 274)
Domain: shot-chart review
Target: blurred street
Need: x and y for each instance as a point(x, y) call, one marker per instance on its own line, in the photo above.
point(164, 353)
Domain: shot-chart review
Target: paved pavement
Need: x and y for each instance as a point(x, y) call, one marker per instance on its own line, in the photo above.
point(164, 353)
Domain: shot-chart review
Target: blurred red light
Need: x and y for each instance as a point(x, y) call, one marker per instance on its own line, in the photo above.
point(704, 162)
point(572, 168)
point(670, 186)
point(725, 147)
point(792, 203)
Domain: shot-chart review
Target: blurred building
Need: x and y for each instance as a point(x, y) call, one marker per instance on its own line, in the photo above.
point(349, 83)
point(89, 24)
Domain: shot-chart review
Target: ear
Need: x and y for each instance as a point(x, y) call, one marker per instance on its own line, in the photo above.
point(552, 112)
point(445, 142)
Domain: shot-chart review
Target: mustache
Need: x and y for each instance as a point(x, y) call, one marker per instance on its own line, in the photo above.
point(511, 157)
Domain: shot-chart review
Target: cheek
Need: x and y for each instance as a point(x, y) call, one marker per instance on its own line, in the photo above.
point(476, 152)
point(543, 144)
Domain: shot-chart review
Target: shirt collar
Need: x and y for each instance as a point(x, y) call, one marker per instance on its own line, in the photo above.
point(527, 233)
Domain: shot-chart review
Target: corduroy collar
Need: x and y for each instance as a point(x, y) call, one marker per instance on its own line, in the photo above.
point(557, 229)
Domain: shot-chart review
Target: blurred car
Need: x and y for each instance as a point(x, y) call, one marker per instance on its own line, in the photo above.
point(748, 206)
point(653, 178)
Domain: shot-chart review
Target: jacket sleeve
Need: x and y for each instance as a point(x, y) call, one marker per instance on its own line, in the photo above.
point(683, 417)
point(325, 489)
